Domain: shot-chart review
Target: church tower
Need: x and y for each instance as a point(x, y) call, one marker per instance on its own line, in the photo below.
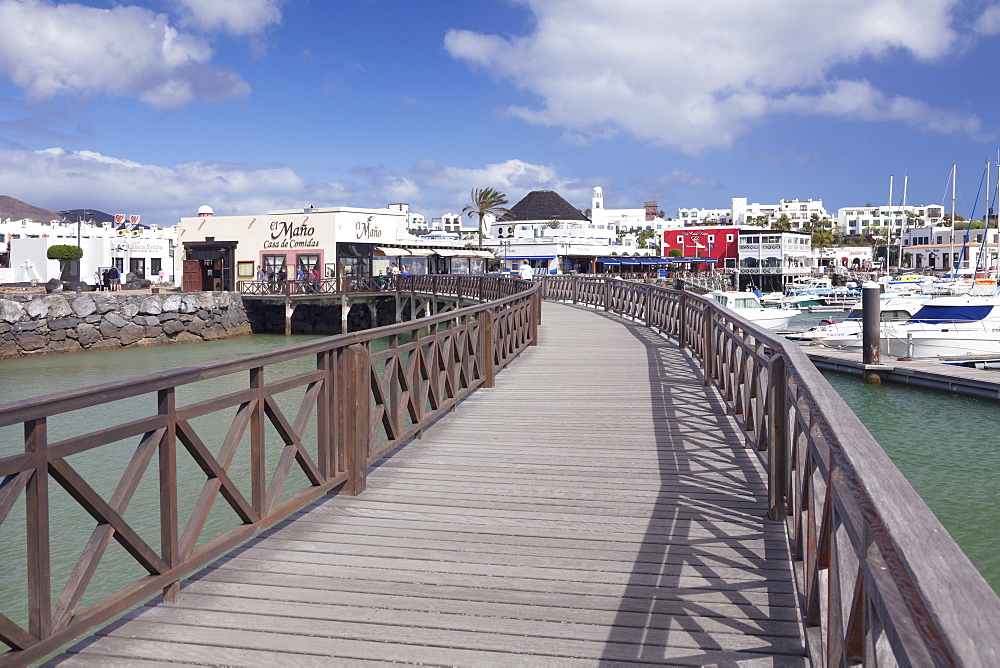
point(598, 200)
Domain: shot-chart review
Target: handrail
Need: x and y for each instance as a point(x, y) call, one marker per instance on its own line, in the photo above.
point(878, 574)
point(357, 404)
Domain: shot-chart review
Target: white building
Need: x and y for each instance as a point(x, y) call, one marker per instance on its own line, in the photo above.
point(741, 212)
point(343, 242)
point(941, 248)
point(876, 219)
point(142, 251)
point(551, 235)
point(772, 258)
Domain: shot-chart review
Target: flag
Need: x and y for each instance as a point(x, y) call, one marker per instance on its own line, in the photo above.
point(119, 218)
point(133, 220)
point(696, 243)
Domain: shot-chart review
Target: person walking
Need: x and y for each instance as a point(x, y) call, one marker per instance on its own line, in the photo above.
point(525, 272)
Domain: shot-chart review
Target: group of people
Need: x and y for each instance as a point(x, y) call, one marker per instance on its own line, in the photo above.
point(109, 280)
point(306, 280)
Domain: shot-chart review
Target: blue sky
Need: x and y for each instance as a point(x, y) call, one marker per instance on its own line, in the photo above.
point(156, 107)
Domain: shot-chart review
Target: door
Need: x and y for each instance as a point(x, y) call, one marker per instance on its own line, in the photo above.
point(191, 281)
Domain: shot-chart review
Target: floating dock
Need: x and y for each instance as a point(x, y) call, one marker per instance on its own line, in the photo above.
point(934, 374)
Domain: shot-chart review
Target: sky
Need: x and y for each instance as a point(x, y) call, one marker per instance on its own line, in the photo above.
point(155, 107)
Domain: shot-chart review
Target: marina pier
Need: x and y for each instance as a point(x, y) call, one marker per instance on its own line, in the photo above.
point(575, 472)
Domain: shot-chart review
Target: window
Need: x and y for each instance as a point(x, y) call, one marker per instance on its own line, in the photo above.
point(729, 237)
point(155, 265)
point(244, 269)
point(711, 238)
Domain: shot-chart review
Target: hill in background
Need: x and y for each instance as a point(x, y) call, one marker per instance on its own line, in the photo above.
point(15, 209)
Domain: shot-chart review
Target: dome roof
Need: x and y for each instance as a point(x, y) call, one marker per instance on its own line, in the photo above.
point(205, 210)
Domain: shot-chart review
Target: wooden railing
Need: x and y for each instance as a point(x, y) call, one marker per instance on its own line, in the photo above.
point(480, 287)
point(355, 403)
point(881, 581)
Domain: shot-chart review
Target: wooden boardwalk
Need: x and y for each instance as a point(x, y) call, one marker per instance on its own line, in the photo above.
point(595, 507)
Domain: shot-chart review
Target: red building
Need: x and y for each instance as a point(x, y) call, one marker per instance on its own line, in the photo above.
point(718, 243)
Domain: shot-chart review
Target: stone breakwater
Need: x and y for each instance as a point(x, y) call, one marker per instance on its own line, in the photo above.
point(58, 323)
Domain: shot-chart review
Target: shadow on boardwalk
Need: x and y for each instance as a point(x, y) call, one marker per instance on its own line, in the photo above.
point(710, 521)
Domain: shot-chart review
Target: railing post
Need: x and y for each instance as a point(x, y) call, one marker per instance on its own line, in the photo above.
point(536, 317)
point(607, 294)
point(355, 395)
point(777, 442)
point(648, 293)
point(682, 320)
point(706, 348)
point(324, 419)
point(258, 487)
point(487, 344)
point(37, 505)
point(575, 290)
point(166, 405)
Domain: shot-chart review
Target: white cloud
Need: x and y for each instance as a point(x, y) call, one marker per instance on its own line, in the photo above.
point(237, 17)
point(49, 49)
point(698, 75)
point(988, 22)
point(58, 179)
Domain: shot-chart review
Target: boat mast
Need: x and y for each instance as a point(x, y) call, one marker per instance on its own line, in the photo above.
point(902, 226)
point(954, 264)
point(887, 229)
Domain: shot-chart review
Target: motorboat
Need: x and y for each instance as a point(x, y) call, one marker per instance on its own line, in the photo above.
point(748, 306)
point(947, 327)
point(847, 333)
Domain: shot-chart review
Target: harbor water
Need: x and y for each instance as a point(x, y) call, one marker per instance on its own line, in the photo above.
point(945, 445)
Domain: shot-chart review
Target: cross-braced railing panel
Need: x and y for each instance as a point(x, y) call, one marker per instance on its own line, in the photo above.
point(882, 583)
point(258, 438)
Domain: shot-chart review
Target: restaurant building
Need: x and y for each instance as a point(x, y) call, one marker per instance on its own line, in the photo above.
point(344, 242)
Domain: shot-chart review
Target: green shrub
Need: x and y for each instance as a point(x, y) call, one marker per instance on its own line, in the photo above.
point(64, 252)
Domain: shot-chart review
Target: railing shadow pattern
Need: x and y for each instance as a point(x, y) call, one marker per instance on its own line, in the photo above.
point(880, 580)
point(357, 404)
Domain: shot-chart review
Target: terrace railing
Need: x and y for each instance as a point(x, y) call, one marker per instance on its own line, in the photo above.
point(479, 287)
point(881, 581)
point(356, 398)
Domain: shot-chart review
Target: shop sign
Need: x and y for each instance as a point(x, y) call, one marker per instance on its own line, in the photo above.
point(143, 247)
point(285, 234)
point(367, 230)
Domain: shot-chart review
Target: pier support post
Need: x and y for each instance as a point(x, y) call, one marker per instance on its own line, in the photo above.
point(345, 310)
point(289, 312)
point(871, 323)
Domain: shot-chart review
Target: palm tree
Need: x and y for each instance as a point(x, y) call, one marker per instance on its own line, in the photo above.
point(486, 201)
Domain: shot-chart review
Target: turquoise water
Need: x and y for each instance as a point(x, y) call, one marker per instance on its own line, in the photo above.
point(949, 449)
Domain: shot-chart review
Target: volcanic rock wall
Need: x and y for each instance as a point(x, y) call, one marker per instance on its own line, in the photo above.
point(55, 323)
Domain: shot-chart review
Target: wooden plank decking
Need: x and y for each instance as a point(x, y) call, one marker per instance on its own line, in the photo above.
point(597, 506)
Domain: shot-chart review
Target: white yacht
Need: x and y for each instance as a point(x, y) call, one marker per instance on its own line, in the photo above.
point(847, 333)
point(947, 327)
point(747, 305)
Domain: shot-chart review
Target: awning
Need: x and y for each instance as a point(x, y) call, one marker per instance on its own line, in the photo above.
point(392, 252)
point(483, 253)
point(420, 252)
point(529, 257)
point(626, 260)
point(608, 260)
point(446, 252)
